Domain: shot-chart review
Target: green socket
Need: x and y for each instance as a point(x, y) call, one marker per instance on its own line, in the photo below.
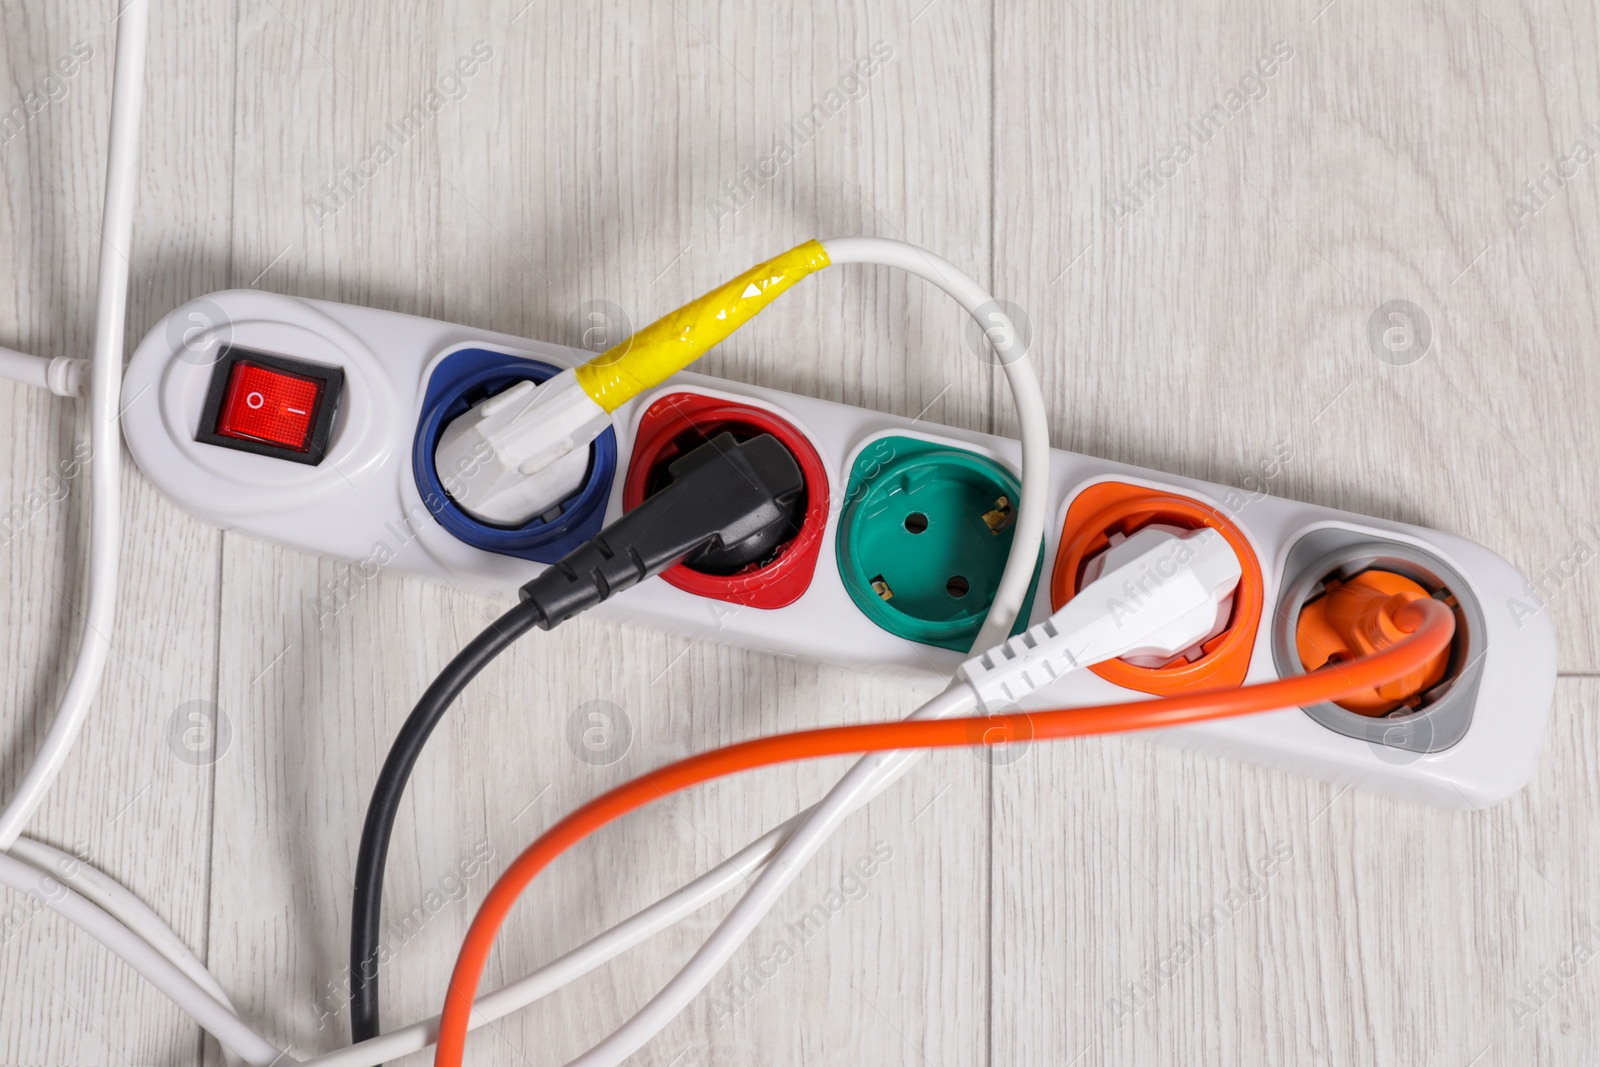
point(924, 537)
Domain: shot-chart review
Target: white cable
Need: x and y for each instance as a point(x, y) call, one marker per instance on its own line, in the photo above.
point(44, 891)
point(122, 905)
point(21, 367)
point(105, 436)
point(61, 375)
point(1033, 418)
point(109, 912)
point(877, 770)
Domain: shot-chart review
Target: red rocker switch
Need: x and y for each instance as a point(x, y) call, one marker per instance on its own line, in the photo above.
point(271, 406)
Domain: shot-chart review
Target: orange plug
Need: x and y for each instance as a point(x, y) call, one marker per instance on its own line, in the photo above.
point(1356, 618)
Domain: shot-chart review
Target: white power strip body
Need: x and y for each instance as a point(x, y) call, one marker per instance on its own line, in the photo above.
point(362, 504)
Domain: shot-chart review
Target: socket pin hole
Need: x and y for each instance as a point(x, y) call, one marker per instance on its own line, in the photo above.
point(916, 523)
point(957, 586)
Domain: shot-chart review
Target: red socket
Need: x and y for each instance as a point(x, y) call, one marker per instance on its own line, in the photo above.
point(676, 424)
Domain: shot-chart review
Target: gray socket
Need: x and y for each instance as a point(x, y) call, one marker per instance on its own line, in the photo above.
point(1446, 710)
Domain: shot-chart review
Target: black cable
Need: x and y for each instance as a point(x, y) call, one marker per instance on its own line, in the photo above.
point(728, 501)
point(385, 804)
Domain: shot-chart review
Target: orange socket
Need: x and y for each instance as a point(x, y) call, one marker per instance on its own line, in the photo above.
point(1107, 509)
point(1356, 617)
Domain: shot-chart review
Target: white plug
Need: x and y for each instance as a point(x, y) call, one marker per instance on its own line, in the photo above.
point(515, 456)
point(1158, 594)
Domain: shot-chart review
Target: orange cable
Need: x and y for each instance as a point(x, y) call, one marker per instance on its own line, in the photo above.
point(1430, 624)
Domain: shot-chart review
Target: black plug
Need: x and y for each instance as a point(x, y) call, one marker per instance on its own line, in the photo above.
point(729, 502)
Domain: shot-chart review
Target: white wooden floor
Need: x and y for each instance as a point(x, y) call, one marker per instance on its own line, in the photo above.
point(1027, 914)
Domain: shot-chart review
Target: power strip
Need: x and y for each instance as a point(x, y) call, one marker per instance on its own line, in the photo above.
point(355, 399)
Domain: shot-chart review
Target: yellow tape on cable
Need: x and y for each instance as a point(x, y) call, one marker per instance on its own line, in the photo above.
point(674, 341)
